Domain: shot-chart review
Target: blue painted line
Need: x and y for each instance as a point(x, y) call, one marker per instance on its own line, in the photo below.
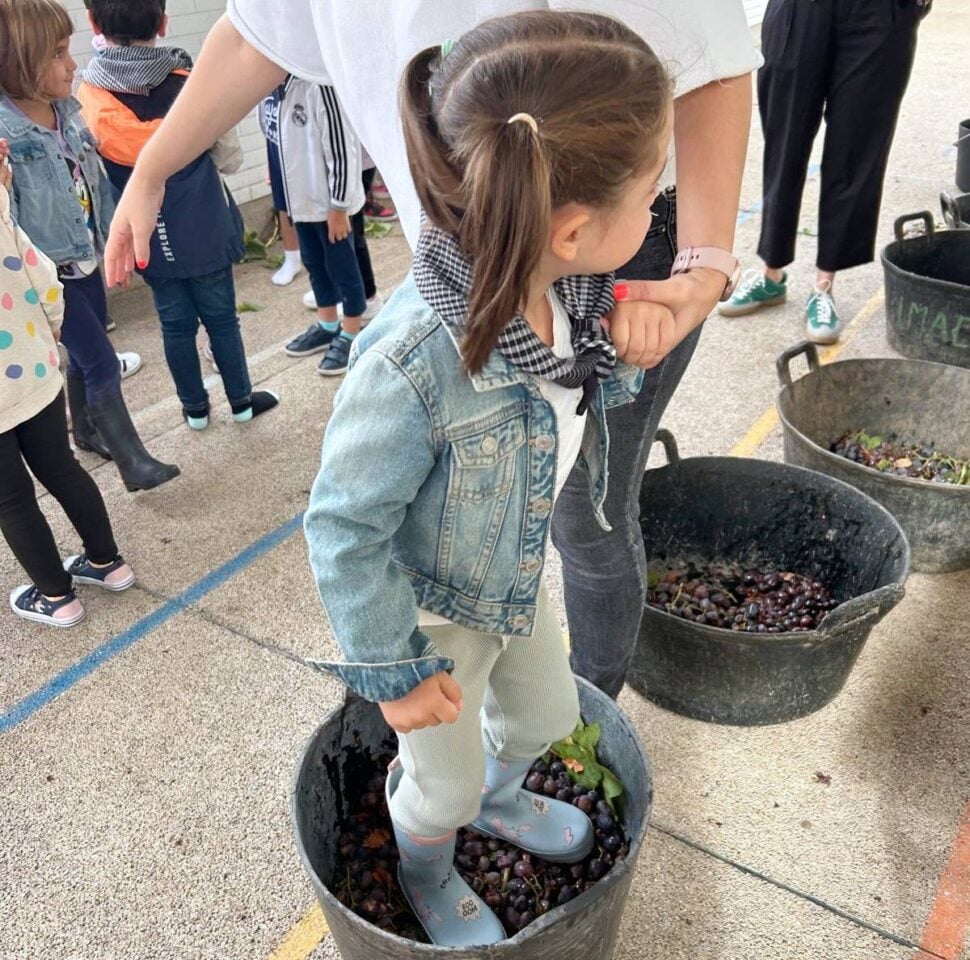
point(142, 628)
point(746, 215)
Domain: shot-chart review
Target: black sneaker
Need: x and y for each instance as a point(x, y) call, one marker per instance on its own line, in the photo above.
point(315, 339)
point(335, 362)
point(30, 604)
point(116, 576)
point(261, 401)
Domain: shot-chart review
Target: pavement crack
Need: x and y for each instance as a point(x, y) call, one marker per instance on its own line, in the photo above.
point(788, 888)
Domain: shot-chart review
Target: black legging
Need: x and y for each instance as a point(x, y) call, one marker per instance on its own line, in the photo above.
point(42, 443)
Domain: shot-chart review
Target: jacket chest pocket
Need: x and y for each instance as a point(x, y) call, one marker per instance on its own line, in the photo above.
point(31, 166)
point(483, 465)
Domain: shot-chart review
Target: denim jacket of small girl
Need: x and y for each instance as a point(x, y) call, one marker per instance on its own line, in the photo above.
point(435, 491)
point(44, 200)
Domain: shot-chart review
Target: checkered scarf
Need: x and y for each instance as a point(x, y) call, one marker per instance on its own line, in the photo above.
point(136, 70)
point(444, 277)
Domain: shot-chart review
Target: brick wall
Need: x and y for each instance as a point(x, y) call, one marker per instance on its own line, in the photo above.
point(190, 21)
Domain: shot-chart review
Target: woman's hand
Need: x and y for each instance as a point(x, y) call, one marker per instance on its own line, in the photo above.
point(653, 316)
point(433, 701)
point(131, 229)
point(338, 225)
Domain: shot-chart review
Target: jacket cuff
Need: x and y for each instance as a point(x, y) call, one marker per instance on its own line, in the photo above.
point(382, 682)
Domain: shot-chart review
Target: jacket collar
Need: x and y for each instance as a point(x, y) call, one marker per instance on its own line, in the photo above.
point(18, 123)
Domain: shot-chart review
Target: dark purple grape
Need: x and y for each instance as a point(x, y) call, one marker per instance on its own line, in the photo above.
point(523, 869)
point(612, 843)
point(494, 899)
point(577, 871)
point(566, 894)
point(556, 767)
point(516, 886)
point(526, 918)
point(521, 902)
point(484, 863)
point(503, 861)
point(473, 848)
point(534, 782)
point(493, 878)
point(585, 804)
point(597, 870)
point(512, 917)
point(604, 821)
point(550, 788)
point(564, 795)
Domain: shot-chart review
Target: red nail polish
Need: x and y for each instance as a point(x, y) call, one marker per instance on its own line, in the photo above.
point(141, 264)
point(621, 291)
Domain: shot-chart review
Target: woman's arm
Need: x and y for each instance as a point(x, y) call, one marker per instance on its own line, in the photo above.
point(229, 79)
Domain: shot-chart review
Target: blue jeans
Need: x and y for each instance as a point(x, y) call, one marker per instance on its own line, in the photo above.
point(181, 304)
point(92, 357)
point(604, 573)
point(333, 268)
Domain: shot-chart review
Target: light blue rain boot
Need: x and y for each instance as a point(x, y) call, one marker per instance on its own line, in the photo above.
point(452, 914)
point(548, 828)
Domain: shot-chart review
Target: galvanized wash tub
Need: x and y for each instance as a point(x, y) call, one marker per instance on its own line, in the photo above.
point(928, 292)
point(916, 400)
point(585, 928)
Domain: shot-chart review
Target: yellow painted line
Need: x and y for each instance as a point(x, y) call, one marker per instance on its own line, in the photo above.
point(760, 430)
point(303, 937)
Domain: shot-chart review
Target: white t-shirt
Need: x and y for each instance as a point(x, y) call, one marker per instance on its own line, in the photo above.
point(570, 426)
point(361, 47)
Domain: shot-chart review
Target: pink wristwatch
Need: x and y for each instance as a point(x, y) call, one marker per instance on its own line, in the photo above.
point(713, 257)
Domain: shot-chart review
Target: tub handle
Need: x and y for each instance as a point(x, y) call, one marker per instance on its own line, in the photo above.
point(951, 211)
point(875, 604)
point(783, 363)
point(670, 445)
point(899, 228)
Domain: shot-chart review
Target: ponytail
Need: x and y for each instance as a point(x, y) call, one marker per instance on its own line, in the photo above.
point(507, 212)
point(435, 179)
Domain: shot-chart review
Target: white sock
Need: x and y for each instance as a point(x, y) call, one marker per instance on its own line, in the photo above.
point(292, 265)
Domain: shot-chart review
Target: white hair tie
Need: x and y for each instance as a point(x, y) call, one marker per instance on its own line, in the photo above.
point(526, 118)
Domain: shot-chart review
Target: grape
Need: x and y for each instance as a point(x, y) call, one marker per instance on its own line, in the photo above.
point(535, 782)
point(523, 869)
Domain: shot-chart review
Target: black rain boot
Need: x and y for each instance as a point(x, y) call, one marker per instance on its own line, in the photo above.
point(138, 469)
point(86, 436)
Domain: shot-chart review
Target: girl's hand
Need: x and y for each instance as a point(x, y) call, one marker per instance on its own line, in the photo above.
point(433, 701)
point(6, 170)
point(688, 297)
point(131, 229)
point(642, 332)
point(338, 225)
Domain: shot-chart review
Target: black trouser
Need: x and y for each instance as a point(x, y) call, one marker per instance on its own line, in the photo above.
point(42, 442)
point(360, 240)
point(849, 60)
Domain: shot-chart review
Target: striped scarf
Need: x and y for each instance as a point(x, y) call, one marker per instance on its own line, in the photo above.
point(136, 70)
point(444, 278)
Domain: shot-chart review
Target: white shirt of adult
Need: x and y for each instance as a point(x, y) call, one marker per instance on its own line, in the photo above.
point(361, 47)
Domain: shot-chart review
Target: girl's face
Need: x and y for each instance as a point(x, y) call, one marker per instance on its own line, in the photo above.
point(58, 80)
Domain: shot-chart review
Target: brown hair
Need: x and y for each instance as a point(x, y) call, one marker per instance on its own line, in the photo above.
point(30, 31)
point(600, 97)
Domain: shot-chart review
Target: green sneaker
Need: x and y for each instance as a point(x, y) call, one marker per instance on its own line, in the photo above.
point(822, 323)
point(754, 292)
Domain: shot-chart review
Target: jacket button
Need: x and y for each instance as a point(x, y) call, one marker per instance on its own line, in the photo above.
point(489, 445)
point(519, 620)
point(530, 566)
point(541, 507)
point(545, 442)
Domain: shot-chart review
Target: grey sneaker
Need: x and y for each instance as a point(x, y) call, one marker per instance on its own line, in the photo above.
point(754, 292)
point(822, 323)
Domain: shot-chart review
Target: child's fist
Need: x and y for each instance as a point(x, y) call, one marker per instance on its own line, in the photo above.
point(433, 701)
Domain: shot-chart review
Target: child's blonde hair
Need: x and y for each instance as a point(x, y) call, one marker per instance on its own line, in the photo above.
point(596, 97)
point(30, 31)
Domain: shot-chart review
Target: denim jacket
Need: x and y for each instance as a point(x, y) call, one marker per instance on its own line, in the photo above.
point(44, 199)
point(435, 491)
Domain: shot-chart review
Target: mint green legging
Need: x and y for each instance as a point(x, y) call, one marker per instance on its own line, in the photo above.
point(520, 696)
